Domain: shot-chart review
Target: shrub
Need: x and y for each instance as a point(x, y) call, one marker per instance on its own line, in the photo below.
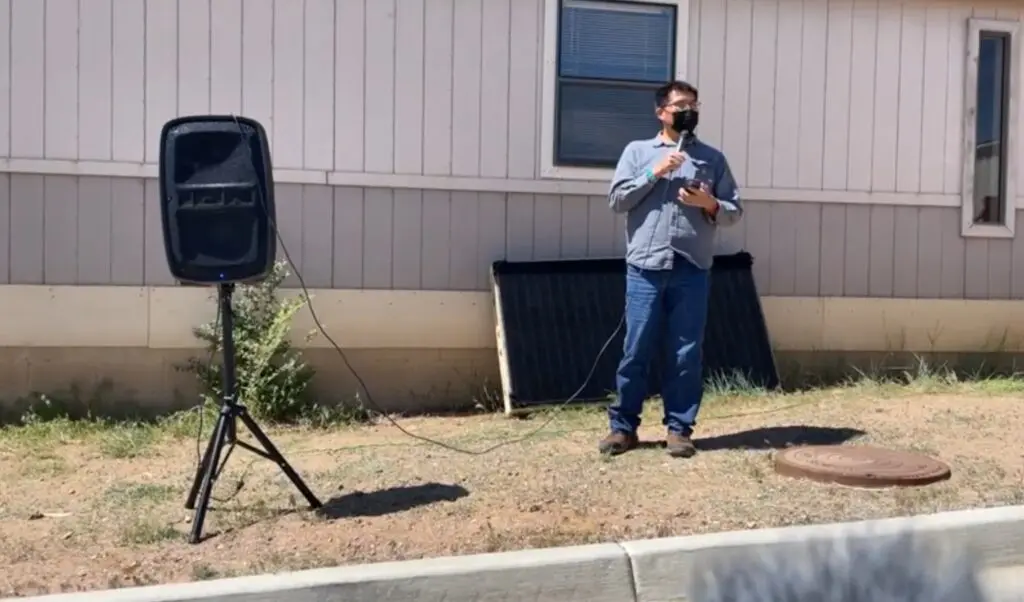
point(272, 377)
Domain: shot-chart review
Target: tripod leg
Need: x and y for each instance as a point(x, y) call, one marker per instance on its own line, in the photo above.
point(190, 502)
point(278, 458)
point(209, 475)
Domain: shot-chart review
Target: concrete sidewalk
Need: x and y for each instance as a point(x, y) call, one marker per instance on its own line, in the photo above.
point(641, 571)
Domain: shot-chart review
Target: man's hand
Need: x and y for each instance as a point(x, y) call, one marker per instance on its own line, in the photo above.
point(699, 197)
point(669, 164)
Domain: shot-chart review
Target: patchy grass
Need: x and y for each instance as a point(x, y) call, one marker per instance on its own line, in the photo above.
point(94, 504)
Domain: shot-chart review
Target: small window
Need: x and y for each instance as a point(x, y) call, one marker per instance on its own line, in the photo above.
point(611, 57)
point(990, 124)
point(991, 135)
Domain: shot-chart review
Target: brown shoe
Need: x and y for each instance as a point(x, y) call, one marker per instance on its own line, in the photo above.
point(679, 446)
point(618, 443)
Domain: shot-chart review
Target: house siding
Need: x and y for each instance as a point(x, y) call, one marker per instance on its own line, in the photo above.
point(804, 96)
point(95, 231)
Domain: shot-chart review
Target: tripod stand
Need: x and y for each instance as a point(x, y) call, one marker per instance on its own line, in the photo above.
point(224, 434)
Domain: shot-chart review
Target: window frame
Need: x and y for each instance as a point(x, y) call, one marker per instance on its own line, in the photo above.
point(549, 87)
point(968, 227)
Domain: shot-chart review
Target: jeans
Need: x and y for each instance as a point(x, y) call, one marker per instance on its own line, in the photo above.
point(668, 307)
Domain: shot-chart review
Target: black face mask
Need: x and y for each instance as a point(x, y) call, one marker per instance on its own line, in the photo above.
point(685, 121)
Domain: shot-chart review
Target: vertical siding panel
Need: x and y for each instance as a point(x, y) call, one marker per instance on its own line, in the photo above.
point(837, 95)
point(785, 168)
point(127, 231)
point(378, 217)
point(318, 233)
point(409, 68)
point(761, 121)
point(519, 229)
point(730, 239)
point(318, 88)
point(887, 97)
point(574, 227)
point(737, 85)
point(1017, 276)
point(226, 57)
point(952, 253)
point(466, 89)
point(711, 79)
point(693, 42)
point(881, 250)
point(94, 234)
point(812, 95)
point(911, 99)
point(956, 59)
point(28, 50)
point(288, 199)
point(258, 65)
point(930, 224)
point(437, 87)
point(288, 132)
point(833, 250)
point(61, 87)
point(96, 80)
point(524, 62)
point(193, 57)
point(862, 94)
point(348, 237)
point(620, 234)
point(155, 269)
point(808, 250)
point(976, 268)
point(408, 238)
point(494, 89)
point(128, 130)
point(437, 232)
point(60, 230)
point(5, 217)
point(5, 97)
point(547, 227)
point(463, 253)
point(600, 228)
point(1000, 269)
point(26, 229)
point(380, 87)
point(349, 85)
point(782, 248)
point(758, 216)
point(491, 218)
point(905, 271)
point(857, 256)
point(161, 62)
point(933, 113)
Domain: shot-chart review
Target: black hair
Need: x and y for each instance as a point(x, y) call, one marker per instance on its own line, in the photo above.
point(661, 94)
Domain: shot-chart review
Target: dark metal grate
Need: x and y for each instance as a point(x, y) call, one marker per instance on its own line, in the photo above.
point(556, 315)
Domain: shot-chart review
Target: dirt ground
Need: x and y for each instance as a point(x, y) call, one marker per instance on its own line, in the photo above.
point(90, 510)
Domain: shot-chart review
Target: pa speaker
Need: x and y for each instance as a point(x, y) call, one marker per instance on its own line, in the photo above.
point(217, 199)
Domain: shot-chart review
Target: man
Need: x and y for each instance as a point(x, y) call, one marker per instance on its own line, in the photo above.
point(676, 191)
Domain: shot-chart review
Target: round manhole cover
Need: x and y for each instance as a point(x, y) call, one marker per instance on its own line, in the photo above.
point(860, 466)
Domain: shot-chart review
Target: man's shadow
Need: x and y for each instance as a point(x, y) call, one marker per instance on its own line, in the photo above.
point(389, 501)
point(772, 437)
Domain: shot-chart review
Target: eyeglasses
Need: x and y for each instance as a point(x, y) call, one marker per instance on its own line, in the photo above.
point(682, 106)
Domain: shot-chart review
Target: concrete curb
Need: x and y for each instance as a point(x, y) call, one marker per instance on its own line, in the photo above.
point(642, 571)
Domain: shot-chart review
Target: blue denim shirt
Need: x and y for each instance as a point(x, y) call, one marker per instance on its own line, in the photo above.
point(658, 226)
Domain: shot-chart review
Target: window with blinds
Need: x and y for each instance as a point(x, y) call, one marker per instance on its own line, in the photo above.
point(612, 55)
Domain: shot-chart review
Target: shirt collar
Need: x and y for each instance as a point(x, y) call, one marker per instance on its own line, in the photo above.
point(660, 141)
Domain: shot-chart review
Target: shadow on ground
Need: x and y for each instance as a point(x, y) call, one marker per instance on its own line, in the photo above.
point(778, 437)
point(390, 501)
